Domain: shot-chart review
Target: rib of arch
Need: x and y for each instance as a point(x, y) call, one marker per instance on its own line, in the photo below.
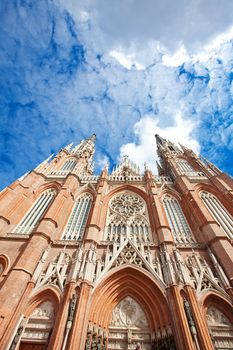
point(132, 282)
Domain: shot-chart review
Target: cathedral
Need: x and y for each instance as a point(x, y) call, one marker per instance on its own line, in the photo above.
point(123, 260)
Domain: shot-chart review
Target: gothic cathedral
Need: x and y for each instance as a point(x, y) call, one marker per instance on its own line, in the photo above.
point(123, 260)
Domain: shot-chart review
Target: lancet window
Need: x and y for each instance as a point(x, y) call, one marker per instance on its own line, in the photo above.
point(220, 214)
point(35, 213)
point(127, 218)
point(184, 166)
point(69, 165)
point(176, 219)
point(78, 218)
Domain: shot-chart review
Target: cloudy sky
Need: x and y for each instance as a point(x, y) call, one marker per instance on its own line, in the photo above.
point(124, 69)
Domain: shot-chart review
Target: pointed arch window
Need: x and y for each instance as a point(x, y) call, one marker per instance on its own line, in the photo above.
point(35, 213)
point(69, 165)
point(177, 220)
point(184, 166)
point(220, 214)
point(78, 218)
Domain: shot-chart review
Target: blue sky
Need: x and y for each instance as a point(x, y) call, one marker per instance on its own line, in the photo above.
point(124, 70)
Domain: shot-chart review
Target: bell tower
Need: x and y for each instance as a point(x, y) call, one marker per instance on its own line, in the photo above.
point(71, 159)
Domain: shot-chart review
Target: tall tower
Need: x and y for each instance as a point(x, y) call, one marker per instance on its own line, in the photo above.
point(121, 260)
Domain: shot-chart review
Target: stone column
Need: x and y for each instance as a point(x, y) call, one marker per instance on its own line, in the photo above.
point(80, 323)
point(181, 329)
point(201, 325)
point(94, 227)
point(59, 331)
point(161, 224)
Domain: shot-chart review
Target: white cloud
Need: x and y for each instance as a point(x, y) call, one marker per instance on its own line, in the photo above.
point(177, 58)
point(102, 161)
point(145, 149)
point(126, 60)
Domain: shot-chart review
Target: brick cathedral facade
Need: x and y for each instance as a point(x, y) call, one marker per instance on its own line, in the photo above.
point(123, 260)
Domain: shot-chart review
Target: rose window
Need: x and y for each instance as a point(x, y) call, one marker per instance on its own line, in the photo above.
point(127, 204)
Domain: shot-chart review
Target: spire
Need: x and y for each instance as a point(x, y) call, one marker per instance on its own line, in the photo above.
point(87, 145)
point(159, 139)
point(44, 163)
point(164, 146)
point(69, 147)
point(84, 153)
point(160, 169)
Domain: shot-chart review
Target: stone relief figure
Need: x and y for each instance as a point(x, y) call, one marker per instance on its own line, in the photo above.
point(16, 338)
point(104, 346)
point(94, 343)
point(99, 344)
point(88, 341)
point(72, 307)
point(128, 312)
point(215, 316)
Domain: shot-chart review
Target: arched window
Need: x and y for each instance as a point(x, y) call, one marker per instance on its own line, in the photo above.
point(176, 219)
point(127, 217)
point(221, 329)
point(78, 218)
point(34, 214)
point(184, 166)
point(4, 264)
point(69, 165)
point(220, 214)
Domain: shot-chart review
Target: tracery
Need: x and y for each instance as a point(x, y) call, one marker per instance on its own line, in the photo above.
point(127, 217)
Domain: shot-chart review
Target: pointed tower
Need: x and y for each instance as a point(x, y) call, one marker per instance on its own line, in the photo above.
point(78, 160)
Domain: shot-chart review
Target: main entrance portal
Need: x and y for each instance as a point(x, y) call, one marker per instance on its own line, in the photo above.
point(128, 327)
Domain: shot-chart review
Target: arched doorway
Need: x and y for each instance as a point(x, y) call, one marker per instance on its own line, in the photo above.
point(128, 326)
point(128, 307)
point(221, 329)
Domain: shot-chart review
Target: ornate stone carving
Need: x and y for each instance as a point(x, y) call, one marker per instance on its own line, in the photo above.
point(127, 204)
point(56, 272)
point(127, 217)
point(128, 326)
point(221, 329)
point(129, 313)
point(40, 322)
point(216, 317)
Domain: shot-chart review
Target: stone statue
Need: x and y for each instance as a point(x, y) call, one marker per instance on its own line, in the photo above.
point(88, 342)
point(16, 338)
point(99, 344)
point(104, 346)
point(72, 307)
point(94, 343)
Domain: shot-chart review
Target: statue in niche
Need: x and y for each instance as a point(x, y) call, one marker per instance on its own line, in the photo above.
point(99, 344)
point(72, 307)
point(16, 338)
point(104, 346)
point(94, 343)
point(88, 341)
